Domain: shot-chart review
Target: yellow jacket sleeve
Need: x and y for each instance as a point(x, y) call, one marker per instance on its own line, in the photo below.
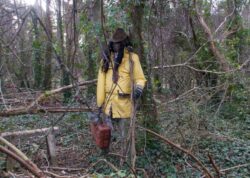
point(100, 90)
point(139, 77)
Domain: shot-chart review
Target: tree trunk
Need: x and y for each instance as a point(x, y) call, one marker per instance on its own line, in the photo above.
point(68, 21)
point(47, 80)
point(94, 16)
point(151, 112)
point(65, 75)
point(149, 106)
point(36, 54)
point(1, 69)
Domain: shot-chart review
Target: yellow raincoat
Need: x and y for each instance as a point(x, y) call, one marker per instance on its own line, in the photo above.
point(107, 91)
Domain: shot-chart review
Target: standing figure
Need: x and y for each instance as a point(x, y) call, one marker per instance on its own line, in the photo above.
point(115, 84)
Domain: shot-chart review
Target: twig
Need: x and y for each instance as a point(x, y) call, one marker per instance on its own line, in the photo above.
point(244, 64)
point(144, 172)
point(205, 170)
point(185, 64)
point(64, 168)
point(58, 58)
point(190, 67)
point(119, 155)
point(56, 175)
point(222, 100)
point(231, 168)
point(132, 170)
point(235, 167)
point(181, 96)
point(14, 53)
point(19, 29)
point(225, 20)
point(194, 166)
point(220, 57)
point(105, 161)
point(217, 170)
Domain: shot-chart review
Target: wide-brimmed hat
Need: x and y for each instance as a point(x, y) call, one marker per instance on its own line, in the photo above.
point(119, 35)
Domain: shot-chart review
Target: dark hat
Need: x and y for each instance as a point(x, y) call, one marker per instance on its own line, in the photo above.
point(119, 35)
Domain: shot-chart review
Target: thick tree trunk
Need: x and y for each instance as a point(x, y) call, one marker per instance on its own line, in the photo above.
point(149, 105)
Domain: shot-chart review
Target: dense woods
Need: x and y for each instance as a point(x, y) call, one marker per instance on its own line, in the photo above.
point(193, 119)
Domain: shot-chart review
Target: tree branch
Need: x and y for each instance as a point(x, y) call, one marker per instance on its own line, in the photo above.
point(205, 170)
point(37, 173)
point(21, 155)
point(218, 55)
point(204, 71)
point(217, 170)
point(27, 132)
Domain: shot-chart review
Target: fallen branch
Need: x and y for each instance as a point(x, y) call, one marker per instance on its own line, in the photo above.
point(16, 112)
point(19, 153)
point(37, 172)
point(58, 90)
point(65, 168)
point(33, 109)
point(205, 170)
point(27, 132)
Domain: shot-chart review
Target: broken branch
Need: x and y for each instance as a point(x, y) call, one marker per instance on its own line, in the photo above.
point(37, 172)
point(27, 132)
point(19, 153)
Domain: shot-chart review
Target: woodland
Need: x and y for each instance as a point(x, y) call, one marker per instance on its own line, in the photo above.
point(193, 119)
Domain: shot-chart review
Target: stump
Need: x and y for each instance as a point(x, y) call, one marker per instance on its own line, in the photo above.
point(51, 148)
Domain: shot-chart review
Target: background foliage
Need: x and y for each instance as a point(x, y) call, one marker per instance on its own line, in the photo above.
point(189, 98)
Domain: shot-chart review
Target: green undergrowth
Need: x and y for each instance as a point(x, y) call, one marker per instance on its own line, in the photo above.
point(228, 143)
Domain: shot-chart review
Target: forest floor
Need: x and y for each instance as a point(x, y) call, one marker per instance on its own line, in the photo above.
point(76, 149)
point(78, 156)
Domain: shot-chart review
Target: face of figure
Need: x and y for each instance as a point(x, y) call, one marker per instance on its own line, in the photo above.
point(116, 46)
